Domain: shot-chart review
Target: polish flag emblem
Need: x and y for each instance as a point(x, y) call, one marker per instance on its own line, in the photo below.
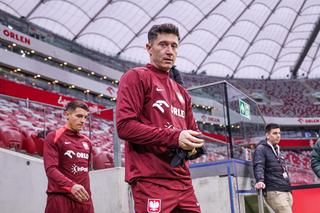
point(154, 205)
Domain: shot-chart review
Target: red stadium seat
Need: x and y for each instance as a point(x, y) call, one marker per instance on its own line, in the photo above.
point(39, 142)
point(28, 143)
point(102, 160)
point(11, 137)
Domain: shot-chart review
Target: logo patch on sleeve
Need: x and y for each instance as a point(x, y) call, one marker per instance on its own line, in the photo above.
point(154, 205)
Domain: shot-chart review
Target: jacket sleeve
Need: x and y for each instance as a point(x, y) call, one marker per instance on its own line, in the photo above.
point(259, 164)
point(130, 101)
point(315, 159)
point(51, 164)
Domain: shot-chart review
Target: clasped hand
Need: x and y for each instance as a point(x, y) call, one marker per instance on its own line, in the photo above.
point(188, 140)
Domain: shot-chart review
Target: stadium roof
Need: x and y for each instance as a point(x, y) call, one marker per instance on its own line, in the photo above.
point(227, 38)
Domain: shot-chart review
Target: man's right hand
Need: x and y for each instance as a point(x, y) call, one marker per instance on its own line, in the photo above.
point(189, 141)
point(260, 185)
point(79, 192)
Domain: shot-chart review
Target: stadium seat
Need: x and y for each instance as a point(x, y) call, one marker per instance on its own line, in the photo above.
point(39, 142)
point(28, 143)
point(102, 160)
point(11, 137)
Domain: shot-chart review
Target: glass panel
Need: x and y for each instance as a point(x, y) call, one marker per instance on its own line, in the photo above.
point(210, 114)
point(212, 105)
point(246, 123)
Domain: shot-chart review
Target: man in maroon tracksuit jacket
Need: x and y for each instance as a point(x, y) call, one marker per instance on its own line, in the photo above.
point(154, 116)
point(66, 160)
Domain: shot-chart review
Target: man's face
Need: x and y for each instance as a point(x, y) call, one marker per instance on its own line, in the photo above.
point(76, 119)
point(274, 136)
point(163, 51)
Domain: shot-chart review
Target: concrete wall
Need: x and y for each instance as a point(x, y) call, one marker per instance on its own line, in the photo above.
point(22, 183)
point(109, 191)
point(214, 196)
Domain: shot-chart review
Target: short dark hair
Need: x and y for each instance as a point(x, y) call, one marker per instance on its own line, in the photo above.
point(271, 126)
point(162, 28)
point(73, 105)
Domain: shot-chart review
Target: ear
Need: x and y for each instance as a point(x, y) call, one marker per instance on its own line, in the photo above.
point(66, 114)
point(148, 47)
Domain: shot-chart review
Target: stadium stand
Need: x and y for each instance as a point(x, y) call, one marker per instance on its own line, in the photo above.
point(22, 121)
point(293, 98)
point(299, 163)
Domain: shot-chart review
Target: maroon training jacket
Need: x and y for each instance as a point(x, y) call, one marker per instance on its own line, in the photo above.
point(66, 158)
point(152, 110)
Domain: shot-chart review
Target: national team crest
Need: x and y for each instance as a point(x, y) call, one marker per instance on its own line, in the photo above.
point(180, 97)
point(85, 145)
point(154, 205)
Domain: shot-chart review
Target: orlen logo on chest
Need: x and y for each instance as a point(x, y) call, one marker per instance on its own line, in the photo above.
point(71, 153)
point(161, 105)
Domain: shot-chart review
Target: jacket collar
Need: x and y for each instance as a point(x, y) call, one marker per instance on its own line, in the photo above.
point(70, 132)
point(160, 73)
